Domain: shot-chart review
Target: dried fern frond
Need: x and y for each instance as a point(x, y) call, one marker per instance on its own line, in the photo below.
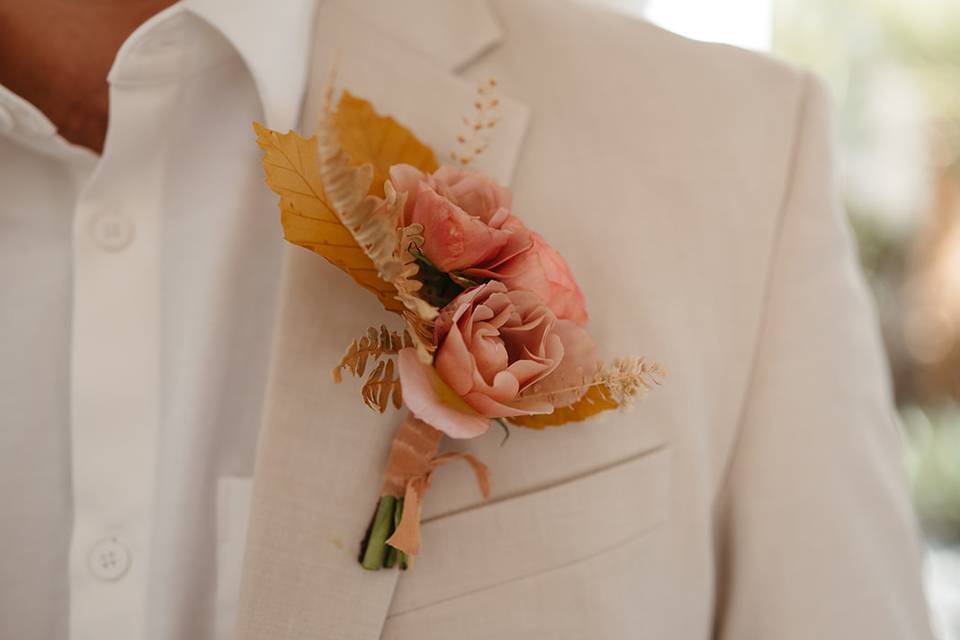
point(382, 386)
point(419, 314)
point(375, 223)
point(408, 287)
point(383, 383)
point(409, 241)
point(377, 343)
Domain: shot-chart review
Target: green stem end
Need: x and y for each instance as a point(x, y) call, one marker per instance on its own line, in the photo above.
point(376, 553)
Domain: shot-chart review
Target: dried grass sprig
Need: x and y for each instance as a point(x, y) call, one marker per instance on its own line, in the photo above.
point(631, 378)
point(473, 139)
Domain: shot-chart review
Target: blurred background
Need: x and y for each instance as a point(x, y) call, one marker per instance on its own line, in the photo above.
point(894, 67)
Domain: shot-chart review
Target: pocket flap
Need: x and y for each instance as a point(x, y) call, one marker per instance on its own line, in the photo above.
point(530, 533)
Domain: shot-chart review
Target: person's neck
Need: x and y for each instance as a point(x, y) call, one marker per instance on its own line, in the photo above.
point(57, 53)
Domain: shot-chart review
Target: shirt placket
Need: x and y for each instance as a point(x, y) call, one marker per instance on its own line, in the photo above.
point(115, 365)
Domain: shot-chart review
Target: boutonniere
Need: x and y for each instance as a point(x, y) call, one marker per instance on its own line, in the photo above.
point(493, 326)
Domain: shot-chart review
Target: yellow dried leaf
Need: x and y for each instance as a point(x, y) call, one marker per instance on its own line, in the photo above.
point(290, 163)
point(292, 169)
point(368, 137)
point(597, 399)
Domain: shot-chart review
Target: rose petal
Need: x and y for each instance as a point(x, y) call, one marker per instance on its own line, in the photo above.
point(542, 270)
point(475, 193)
point(406, 179)
point(453, 312)
point(520, 407)
point(490, 354)
point(550, 359)
point(453, 239)
point(454, 362)
point(530, 369)
point(429, 399)
point(499, 218)
point(518, 242)
point(505, 387)
point(578, 363)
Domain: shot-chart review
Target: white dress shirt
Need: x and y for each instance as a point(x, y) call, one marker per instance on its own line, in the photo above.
point(137, 297)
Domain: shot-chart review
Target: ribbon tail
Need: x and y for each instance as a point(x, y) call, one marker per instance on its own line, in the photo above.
point(480, 470)
point(406, 537)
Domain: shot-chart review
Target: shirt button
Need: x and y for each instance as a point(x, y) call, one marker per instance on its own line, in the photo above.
point(112, 231)
point(109, 560)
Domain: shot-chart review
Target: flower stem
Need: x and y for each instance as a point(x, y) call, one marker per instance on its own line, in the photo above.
point(373, 554)
point(392, 552)
point(390, 558)
point(401, 556)
point(506, 430)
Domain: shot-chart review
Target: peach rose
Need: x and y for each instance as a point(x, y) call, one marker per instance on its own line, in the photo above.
point(465, 216)
point(500, 353)
point(542, 270)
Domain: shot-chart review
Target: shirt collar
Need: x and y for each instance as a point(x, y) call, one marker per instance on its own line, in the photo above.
point(273, 38)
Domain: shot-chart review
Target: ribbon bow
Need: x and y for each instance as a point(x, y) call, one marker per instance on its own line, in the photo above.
point(413, 459)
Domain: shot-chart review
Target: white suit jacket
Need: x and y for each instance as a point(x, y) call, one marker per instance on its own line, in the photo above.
point(758, 494)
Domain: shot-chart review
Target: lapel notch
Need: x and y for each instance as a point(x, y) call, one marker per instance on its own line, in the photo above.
point(450, 33)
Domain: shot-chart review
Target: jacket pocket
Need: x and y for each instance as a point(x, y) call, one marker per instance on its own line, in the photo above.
point(535, 532)
point(233, 510)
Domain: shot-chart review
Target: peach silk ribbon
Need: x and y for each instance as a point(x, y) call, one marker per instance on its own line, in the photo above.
point(410, 466)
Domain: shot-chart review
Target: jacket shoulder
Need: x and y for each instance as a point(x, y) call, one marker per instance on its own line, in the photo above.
point(631, 55)
point(698, 113)
point(686, 58)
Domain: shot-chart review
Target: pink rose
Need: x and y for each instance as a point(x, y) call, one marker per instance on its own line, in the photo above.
point(500, 353)
point(542, 270)
point(465, 216)
point(468, 226)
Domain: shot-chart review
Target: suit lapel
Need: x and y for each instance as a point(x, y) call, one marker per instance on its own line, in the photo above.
point(321, 452)
point(418, 90)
